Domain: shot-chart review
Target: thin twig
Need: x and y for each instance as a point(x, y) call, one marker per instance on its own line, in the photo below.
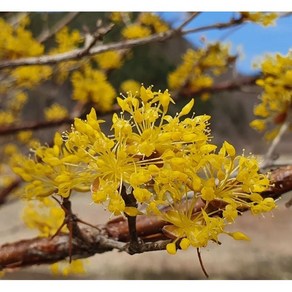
point(34, 126)
point(130, 201)
point(92, 39)
point(188, 20)
point(48, 33)
point(220, 25)
point(228, 85)
point(16, 18)
point(201, 263)
point(268, 157)
point(6, 191)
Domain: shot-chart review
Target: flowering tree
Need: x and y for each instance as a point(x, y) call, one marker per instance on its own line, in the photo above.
point(159, 174)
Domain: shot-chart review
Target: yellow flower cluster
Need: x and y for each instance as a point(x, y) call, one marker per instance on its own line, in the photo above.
point(109, 60)
point(130, 85)
point(6, 175)
point(52, 170)
point(154, 21)
point(119, 16)
point(16, 42)
point(30, 76)
point(276, 100)
point(66, 41)
point(146, 24)
point(194, 71)
point(265, 19)
point(167, 163)
point(135, 31)
point(24, 136)
point(6, 118)
point(56, 112)
point(17, 102)
point(92, 85)
point(64, 268)
point(45, 215)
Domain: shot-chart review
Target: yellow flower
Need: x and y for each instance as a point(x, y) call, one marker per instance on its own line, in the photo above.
point(276, 99)
point(56, 112)
point(265, 19)
point(24, 136)
point(91, 85)
point(18, 101)
point(44, 215)
point(17, 41)
point(165, 163)
point(53, 170)
point(119, 16)
point(130, 85)
point(29, 76)
point(66, 40)
point(109, 60)
point(135, 31)
point(154, 21)
point(194, 71)
point(6, 118)
point(64, 268)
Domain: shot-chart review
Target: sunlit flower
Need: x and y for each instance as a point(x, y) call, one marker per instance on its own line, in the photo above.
point(276, 99)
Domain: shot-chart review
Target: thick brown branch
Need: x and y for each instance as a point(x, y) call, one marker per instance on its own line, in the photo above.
point(281, 179)
point(49, 250)
point(113, 235)
point(38, 250)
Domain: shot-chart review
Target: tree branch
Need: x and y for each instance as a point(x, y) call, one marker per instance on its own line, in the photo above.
point(113, 235)
point(192, 16)
point(34, 126)
point(75, 54)
point(48, 33)
point(221, 25)
point(268, 157)
point(6, 191)
point(223, 86)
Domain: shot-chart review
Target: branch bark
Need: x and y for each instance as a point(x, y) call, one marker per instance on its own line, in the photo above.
point(78, 53)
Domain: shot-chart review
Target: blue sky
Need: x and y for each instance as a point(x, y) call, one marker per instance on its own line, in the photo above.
point(251, 39)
